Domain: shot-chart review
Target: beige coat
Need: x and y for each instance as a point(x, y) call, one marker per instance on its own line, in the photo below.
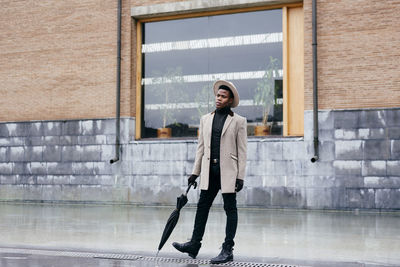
point(233, 151)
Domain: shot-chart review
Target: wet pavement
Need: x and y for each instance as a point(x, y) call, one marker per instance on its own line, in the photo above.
point(95, 235)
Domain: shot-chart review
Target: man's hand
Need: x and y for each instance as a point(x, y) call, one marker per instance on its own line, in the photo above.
point(192, 179)
point(239, 185)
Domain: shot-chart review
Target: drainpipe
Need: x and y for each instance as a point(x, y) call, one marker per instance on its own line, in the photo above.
point(315, 81)
point(118, 97)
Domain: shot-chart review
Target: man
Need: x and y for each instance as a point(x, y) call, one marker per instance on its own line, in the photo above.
point(221, 162)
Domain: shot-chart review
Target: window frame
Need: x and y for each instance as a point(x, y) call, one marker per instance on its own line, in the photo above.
point(285, 47)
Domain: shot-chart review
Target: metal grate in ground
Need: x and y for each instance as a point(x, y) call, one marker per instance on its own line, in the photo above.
point(113, 256)
point(207, 262)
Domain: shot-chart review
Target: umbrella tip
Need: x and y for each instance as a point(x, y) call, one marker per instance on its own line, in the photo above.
point(157, 253)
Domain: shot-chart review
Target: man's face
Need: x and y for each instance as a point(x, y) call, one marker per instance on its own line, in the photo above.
point(223, 99)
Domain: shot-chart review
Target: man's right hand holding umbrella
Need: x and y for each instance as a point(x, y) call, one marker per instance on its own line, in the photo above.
point(192, 179)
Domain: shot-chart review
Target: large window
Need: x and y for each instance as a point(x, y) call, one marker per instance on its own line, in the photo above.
point(181, 58)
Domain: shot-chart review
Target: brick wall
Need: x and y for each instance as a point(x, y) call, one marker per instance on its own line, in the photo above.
point(358, 50)
point(58, 59)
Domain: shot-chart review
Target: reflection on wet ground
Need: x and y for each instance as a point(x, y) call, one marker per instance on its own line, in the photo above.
point(271, 234)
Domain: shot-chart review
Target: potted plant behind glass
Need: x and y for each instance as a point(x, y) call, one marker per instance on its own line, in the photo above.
point(170, 90)
point(204, 100)
point(265, 95)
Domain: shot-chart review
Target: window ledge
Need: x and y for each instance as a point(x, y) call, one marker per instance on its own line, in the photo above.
point(261, 139)
point(164, 141)
point(193, 6)
point(250, 139)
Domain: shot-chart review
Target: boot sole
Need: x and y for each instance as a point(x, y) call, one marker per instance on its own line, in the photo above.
point(192, 255)
point(220, 262)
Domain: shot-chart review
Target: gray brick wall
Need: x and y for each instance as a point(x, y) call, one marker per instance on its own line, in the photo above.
point(365, 160)
point(62, 161)
point(359, 164)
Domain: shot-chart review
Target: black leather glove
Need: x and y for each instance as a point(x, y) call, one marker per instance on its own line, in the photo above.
point(239, 185)
point(192, 179)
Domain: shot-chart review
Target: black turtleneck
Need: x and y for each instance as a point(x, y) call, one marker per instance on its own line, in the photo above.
point(217, 126)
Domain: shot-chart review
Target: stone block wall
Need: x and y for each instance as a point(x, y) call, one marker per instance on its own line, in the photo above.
point(68, 161)
point(61, 160)
point(367, 152)
point(365, 158)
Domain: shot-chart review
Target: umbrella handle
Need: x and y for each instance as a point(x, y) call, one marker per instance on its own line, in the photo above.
point(190, 185)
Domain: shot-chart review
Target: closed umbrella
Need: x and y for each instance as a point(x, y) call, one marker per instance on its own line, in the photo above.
point(174, 217)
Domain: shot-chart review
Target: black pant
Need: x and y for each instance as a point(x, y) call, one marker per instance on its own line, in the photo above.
point(203, 207)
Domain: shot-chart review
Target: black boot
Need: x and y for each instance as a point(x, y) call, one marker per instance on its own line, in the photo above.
point(191, 247)
point(225, 255)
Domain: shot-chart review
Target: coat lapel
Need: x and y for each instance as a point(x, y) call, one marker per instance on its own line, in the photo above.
point(226, 124)
point(208, 127)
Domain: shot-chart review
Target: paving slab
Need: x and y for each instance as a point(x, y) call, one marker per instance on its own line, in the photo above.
point(40, 257)
point(37, 232)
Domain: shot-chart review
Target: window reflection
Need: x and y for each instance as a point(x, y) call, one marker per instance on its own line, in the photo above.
point(182, 58)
